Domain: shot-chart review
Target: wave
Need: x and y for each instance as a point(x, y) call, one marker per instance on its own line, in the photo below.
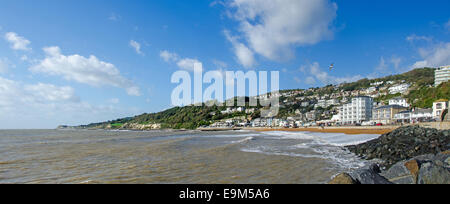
point(339, 157)
point(243, 140)
point(335, 139)
point(326, 146)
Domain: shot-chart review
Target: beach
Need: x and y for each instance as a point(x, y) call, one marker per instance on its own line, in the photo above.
point(345, 130)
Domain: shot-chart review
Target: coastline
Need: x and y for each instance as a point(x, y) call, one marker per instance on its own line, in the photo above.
point(345, 130)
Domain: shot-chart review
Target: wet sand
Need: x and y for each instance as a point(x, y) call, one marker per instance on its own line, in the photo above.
point(345, 130)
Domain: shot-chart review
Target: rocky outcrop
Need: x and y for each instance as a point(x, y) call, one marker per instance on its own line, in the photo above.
point(425, 169)
point(133, 126)
point(136, 126)
point(404, 143)
point(409, 155)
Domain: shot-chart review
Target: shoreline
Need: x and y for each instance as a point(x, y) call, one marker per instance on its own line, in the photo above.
point(345, 130)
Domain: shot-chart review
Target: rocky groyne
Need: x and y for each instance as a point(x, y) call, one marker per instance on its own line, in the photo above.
point(408, 155)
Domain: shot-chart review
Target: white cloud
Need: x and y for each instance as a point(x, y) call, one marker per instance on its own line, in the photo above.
point(168, 56)
point(136, 46)
point(182, 63)
point(310, 80)
point(325, 78)
point(46, 106)
point(4, 66)
point(84, 70)
point(17, 42)
point(114, 100)
point(436, 56)
point(273, 28)
point(50, 92)
point(114, 17)
point(187, 64)
point(382, 66)
point(396, 62)
point(243, 54)
point(16, 94)
point(219, 64)
point(415, 37)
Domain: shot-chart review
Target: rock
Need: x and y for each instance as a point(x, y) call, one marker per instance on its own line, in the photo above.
point(399, 174)
point(425, 157)
point(430, 173)
point(404, 143)
point(443, 159)
point(369, 175)
point(413, 167)
point(343, 178)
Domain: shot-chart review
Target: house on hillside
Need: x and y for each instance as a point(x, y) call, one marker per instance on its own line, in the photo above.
point(400, 88)
point(399, 101)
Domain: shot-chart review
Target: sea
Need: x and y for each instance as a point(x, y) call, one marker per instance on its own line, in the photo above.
point(175, 157)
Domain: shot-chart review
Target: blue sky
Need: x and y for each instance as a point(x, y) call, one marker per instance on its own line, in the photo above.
point(76, 62)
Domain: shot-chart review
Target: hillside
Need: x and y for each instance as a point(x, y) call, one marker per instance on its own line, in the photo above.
point(421, 94)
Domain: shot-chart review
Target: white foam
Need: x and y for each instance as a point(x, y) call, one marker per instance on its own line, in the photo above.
point(290, 135)
point(233, 136)
point(243, 140)
point(335, 139)
point(342, 140)
point(327, 146)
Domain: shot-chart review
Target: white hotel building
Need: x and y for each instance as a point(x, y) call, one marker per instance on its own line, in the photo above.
point(441, 75)
point(357, 111)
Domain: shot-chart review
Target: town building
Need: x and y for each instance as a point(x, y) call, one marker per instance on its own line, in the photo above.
point(439, 108)
point(399, 101)
point(441, 75)
point(415, 116)
point(311, 116)
point(386, 114)
point(377, 83)
point(371, 90)
point(321, 103)
point(400, 88)
point(357, 111)
point(333, 102)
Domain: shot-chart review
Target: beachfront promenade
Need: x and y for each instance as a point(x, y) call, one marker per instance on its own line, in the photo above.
point(340, 129)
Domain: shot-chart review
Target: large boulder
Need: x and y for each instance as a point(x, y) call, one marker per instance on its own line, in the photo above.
point(403, 172)
point(369, 175)
point(436, 170)
point(343, 178)
point(432, 173)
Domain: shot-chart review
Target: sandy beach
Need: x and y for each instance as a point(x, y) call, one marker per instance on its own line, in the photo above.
point(346, 130)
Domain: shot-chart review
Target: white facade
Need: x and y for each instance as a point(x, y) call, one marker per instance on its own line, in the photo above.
point(401, 88)
point(439, 107)
point(371, 90)
point(322, 103)
point(419, 115)
point(441, 75)
point(399, 101)
point(357, 111)
point(332, 102)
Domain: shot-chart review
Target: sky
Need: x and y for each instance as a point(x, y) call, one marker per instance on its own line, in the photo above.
point(84, 61)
